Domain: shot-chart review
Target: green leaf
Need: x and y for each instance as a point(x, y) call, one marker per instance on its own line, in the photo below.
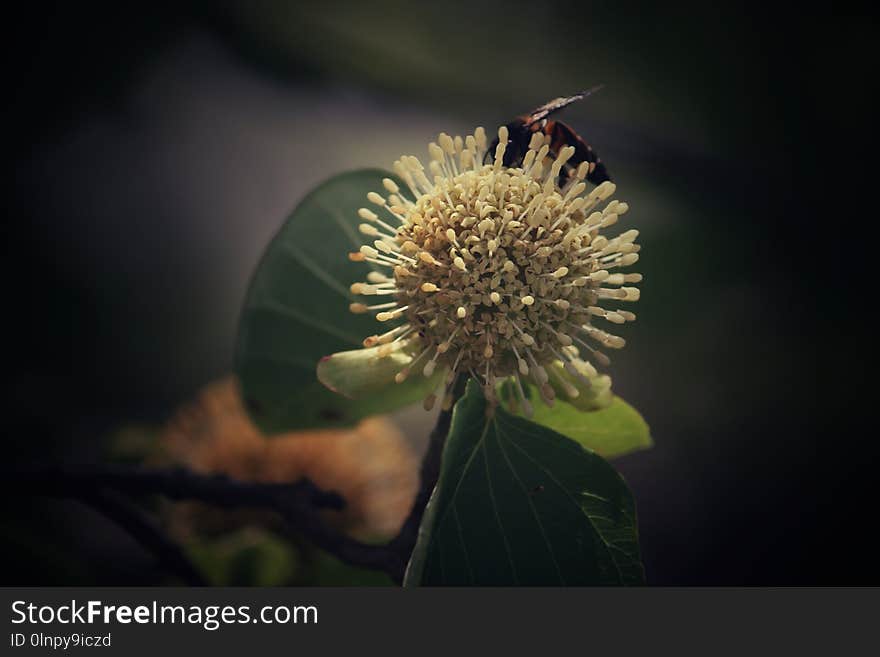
point(596, 418)
point(613, 431)
point(296, 311)
point(519, 504)
point(362, 375)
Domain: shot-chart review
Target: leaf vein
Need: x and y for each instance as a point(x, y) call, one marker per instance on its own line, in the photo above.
point(531, 506)
point(497, 515)
point(467, 560)
point(315, 269)
point(580, 509)
point(286, 311)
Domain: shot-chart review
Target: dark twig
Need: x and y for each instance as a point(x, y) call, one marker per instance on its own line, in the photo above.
point(174, 483)
point(130, 518)
point(299, 503)
point(405, 540)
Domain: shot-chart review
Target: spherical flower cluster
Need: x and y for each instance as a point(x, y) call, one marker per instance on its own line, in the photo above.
point(496, 272)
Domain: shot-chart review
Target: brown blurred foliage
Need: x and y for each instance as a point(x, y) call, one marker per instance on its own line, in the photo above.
point(371, 465)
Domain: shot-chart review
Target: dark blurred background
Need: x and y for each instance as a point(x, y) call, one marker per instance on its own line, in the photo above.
point(155, 149)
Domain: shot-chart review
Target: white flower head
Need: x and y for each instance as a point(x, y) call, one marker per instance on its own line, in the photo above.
point(495, 271)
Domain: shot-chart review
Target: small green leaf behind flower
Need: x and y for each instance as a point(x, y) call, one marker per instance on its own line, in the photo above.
point(613, 431)
point(362, 374)
point(519, 504)
point(594, 417)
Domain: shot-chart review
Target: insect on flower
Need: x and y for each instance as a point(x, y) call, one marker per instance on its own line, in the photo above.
point(495, 267)
point(521, 129)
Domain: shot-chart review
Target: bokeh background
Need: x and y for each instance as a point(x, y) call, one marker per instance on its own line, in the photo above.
point(155, 150)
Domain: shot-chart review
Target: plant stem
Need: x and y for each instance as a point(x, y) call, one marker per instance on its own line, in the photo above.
point(406, 538)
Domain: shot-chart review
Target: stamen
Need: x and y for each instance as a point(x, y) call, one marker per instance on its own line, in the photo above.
point(400, 377)
point(386, 316)
point(428, 370)
point(502, 146)
point(488, 258)
point(527, 339)
point(388, 335)
point(570, 391)
point(377, 277)
point(454, 369)
point(521, 363)
point(444, 346)
point(539, 374)
point(527, 406)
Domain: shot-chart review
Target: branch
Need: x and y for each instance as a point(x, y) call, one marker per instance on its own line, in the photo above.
point(405, 541)
point(298, 502)
point(175, 484)
point(130, 518)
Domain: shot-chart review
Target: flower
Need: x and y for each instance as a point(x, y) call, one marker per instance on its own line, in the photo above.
point(496, 271)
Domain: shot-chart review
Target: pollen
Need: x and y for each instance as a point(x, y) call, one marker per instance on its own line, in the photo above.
point(496, 272)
